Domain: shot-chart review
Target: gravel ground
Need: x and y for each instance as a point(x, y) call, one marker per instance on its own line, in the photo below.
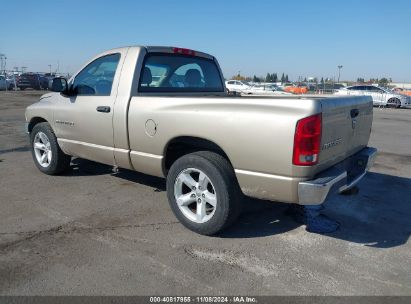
point(92, 232)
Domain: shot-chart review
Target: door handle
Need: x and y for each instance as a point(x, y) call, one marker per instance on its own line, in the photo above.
point(104, 109)
point(354, 113)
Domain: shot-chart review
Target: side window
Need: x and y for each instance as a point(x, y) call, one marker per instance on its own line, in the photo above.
point(169, 73)
point(231, 82)
point(358, 88)
point(376, 90)
point(97, 78)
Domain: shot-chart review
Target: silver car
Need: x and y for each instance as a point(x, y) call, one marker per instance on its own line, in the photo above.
point(380, 96)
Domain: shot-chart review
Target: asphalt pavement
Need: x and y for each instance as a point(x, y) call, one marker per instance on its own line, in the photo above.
point(95, 232)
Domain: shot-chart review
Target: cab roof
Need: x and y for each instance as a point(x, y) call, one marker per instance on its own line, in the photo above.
point(167, 49)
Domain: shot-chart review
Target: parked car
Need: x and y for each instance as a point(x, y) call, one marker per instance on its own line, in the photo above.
point(211, 147)
point(263, 89)
point(237, 86)
point(3, 82)
point(380, 96)
point(11, 82)
point(402, 91)
point(32, 80)
point(296, 89)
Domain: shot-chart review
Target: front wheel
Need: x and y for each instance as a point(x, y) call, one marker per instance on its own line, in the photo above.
point(46, 152)
point(203, 192)
point(394, 102)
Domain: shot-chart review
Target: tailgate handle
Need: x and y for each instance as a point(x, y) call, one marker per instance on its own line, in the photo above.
point(354, 113)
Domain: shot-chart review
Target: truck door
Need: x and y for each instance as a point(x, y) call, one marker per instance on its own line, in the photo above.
point(84, 126)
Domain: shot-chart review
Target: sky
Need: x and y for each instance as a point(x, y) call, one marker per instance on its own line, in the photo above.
point(371, 39)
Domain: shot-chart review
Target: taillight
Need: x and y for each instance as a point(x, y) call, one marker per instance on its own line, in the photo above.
point(307, 140)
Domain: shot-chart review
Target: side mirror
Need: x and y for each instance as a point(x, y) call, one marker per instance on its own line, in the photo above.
point(59, 84)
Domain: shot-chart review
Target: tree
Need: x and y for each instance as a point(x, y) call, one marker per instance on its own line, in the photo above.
point(256, 79)
point(360, 80)
point(282, 78)
point(322, 80)
point(286, 78)
point(268, 78)
point(238, 77)
point(274, 77)
point(305, 79)
point(383, 82)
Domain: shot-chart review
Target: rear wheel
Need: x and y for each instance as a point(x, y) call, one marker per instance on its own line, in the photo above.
point(46, 152)
point(203, 192)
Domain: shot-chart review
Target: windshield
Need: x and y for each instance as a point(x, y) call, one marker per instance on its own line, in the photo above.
point(388, 90)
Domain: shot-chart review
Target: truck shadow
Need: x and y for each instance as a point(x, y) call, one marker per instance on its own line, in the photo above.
point(83, 167)
point(378, 216)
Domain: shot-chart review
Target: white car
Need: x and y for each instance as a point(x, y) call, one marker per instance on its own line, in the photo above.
point(237, 86)
point(380, 96)
point(265, 89)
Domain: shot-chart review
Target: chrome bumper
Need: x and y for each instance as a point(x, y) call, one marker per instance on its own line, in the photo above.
point(338, 178)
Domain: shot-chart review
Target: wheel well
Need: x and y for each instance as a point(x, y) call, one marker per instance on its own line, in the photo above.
point(180, 146)
point(34, 121)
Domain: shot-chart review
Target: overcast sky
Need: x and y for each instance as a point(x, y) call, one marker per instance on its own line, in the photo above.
point(300, 38)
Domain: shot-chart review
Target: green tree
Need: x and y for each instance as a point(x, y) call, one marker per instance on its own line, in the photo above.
point(286, 78)
point(268, 78)
point(322, 80)
point(360, 80)
point(274, 77)
point(282, 78)
point(383, 82)
point(255, 79)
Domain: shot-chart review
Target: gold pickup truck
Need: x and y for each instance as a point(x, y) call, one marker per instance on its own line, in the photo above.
point(164, 111)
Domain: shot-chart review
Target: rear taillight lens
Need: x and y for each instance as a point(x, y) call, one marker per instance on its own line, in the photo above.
point(307, 141)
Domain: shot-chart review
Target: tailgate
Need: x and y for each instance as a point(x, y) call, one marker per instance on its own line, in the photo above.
point(346, 128)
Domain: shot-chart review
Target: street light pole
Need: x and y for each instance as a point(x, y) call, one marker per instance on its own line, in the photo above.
point(339, 72)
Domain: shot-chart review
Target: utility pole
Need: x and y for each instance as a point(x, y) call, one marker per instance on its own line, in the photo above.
point(3, 59)
point(50, 68)
point(339, 72)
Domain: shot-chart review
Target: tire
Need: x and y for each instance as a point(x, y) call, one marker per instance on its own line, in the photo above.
point(394, 102)
point(220, 196)
point(44, 147)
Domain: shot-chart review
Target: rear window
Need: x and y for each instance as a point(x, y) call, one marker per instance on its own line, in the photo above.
point(169, 73)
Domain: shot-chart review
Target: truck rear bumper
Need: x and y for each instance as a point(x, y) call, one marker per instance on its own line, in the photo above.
point(338, 178)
